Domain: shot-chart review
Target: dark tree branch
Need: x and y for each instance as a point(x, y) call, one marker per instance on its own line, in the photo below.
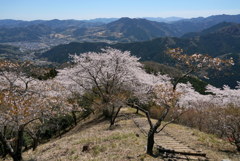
point(180, 78)
point(144, 111)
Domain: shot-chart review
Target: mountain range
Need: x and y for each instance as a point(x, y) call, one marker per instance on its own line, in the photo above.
point(21, 23)
point(105, 30)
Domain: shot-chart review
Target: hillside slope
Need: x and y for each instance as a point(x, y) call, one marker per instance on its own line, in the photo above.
point(124, 142)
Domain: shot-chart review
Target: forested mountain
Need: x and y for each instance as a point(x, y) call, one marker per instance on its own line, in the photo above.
point(221, 40)
point(139, 29)
point(149, 50)
point(200, 23)
point(218, 40)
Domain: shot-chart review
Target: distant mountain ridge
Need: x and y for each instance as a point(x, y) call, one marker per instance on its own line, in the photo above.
point(29, 33)
point(201, 23)
point(221, 28)
point(55, 23)
point(72, 22)
point(166, 20)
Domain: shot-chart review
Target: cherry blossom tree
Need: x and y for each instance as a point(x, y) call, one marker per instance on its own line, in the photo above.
point(109, 75)
point(197, 63)
point(21, 104)
point(227, 115)
point(166, 98)
point(66, 97)
point(225, 96)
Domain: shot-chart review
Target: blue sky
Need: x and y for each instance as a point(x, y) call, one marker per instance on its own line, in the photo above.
point(89, 9)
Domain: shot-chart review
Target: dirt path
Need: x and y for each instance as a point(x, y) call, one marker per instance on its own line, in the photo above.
point(168, 142)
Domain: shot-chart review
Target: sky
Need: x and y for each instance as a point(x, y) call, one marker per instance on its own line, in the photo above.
point(90, 9)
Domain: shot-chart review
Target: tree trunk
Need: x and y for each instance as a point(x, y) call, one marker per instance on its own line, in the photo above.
point(35, 138)
point(114, 115)
point(3, 152)
point(19, 145)
point(17, 157)
point(238, 146)
point(74, 118)
point(35, 144)
point(16, 152)
point(111, 122)
point(107, 112)
point(153, 130)
point(59, 131)
point(150, 142)
point(137, 110)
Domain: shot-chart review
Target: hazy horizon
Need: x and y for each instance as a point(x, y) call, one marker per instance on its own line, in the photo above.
point(114, 17)
point(91, 9)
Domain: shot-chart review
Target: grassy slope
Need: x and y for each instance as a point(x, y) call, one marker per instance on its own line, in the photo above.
point(125, 142)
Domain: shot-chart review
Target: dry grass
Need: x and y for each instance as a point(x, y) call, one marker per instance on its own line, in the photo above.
point(120, 144)
point(124, 143)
